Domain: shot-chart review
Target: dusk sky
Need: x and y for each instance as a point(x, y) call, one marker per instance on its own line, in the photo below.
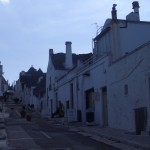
point(29, 28)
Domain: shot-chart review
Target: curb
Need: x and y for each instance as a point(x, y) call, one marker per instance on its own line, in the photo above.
point(116, 139)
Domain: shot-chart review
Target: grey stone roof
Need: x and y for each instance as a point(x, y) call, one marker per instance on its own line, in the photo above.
point(58, 59)
point(40, 89)
point(30, 78)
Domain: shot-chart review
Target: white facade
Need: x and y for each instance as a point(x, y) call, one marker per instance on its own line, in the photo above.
point(3, 83)
point(120, 37)
point(30, 88)
point(93, 77)
point(52, 75)
point(113, 87)
point(129, 88)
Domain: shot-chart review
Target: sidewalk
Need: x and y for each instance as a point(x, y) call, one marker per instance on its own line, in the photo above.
point(118, 138)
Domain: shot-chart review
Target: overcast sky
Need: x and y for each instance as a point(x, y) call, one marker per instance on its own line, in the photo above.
point(29, 28)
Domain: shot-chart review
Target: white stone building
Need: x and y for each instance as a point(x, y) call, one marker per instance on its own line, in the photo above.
point(30, 88)
point(59, 66)
point(3, 82)
point(112, 87)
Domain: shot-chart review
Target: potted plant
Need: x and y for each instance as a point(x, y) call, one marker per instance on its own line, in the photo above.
point(23, 113)
point(28, 117)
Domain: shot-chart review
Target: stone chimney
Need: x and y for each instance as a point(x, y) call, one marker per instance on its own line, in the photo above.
point(68, 59)
point(114, 12)
point(136, 7)
point(134, 16)
point(50, 51)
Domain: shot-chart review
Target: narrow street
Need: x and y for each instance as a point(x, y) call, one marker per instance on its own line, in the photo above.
point(44, 134)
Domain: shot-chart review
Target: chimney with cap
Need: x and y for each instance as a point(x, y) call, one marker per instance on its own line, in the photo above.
point(136, 7)
point(134, 16)
point(50, 51)
point(68, 59)
point(114, 12)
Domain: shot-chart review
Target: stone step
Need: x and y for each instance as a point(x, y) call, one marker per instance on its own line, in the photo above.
point(3, 134)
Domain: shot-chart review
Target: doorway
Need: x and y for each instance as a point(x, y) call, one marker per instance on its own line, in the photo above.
point(51, 106)
point(140, 119)
point(104, 106)
point(89, 103)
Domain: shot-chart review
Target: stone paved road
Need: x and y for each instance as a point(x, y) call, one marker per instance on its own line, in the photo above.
point(41, 134)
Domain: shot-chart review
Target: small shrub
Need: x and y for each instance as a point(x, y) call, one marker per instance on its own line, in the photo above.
point(32, 106)
point(22, 113)
point(16, 100)
point(28, 117)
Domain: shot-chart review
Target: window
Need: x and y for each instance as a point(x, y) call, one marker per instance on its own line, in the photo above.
point(47, 97)
point(89, 99)
point(50, 86)
point(149, 85)
point(126, 89)
point(71, 96)
point(67, 104)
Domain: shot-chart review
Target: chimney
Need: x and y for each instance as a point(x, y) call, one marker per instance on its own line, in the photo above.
point(114, 12)
point(134, 16)
point(50, 51)
point(136, 6)
point(68, 60)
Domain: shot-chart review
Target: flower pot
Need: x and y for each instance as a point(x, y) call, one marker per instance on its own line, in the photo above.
point(28, 117)
point(22, 113)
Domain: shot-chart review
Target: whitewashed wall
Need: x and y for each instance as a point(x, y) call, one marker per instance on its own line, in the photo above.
point(134, 71)
point(96, 80)
point(52, 75)
point(122, 37)
point(63, 90)
point(134, 35)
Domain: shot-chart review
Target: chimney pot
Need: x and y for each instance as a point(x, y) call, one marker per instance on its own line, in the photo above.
point(50, 51)
point(135, 4)
point(68, 61)
point(68, 43)
point(134, 16)
point(114, 11)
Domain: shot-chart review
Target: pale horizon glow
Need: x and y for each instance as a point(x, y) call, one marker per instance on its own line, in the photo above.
point(29, 28)
point(4, 1)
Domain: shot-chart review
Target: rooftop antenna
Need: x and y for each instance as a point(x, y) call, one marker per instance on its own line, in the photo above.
point(97, 28)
